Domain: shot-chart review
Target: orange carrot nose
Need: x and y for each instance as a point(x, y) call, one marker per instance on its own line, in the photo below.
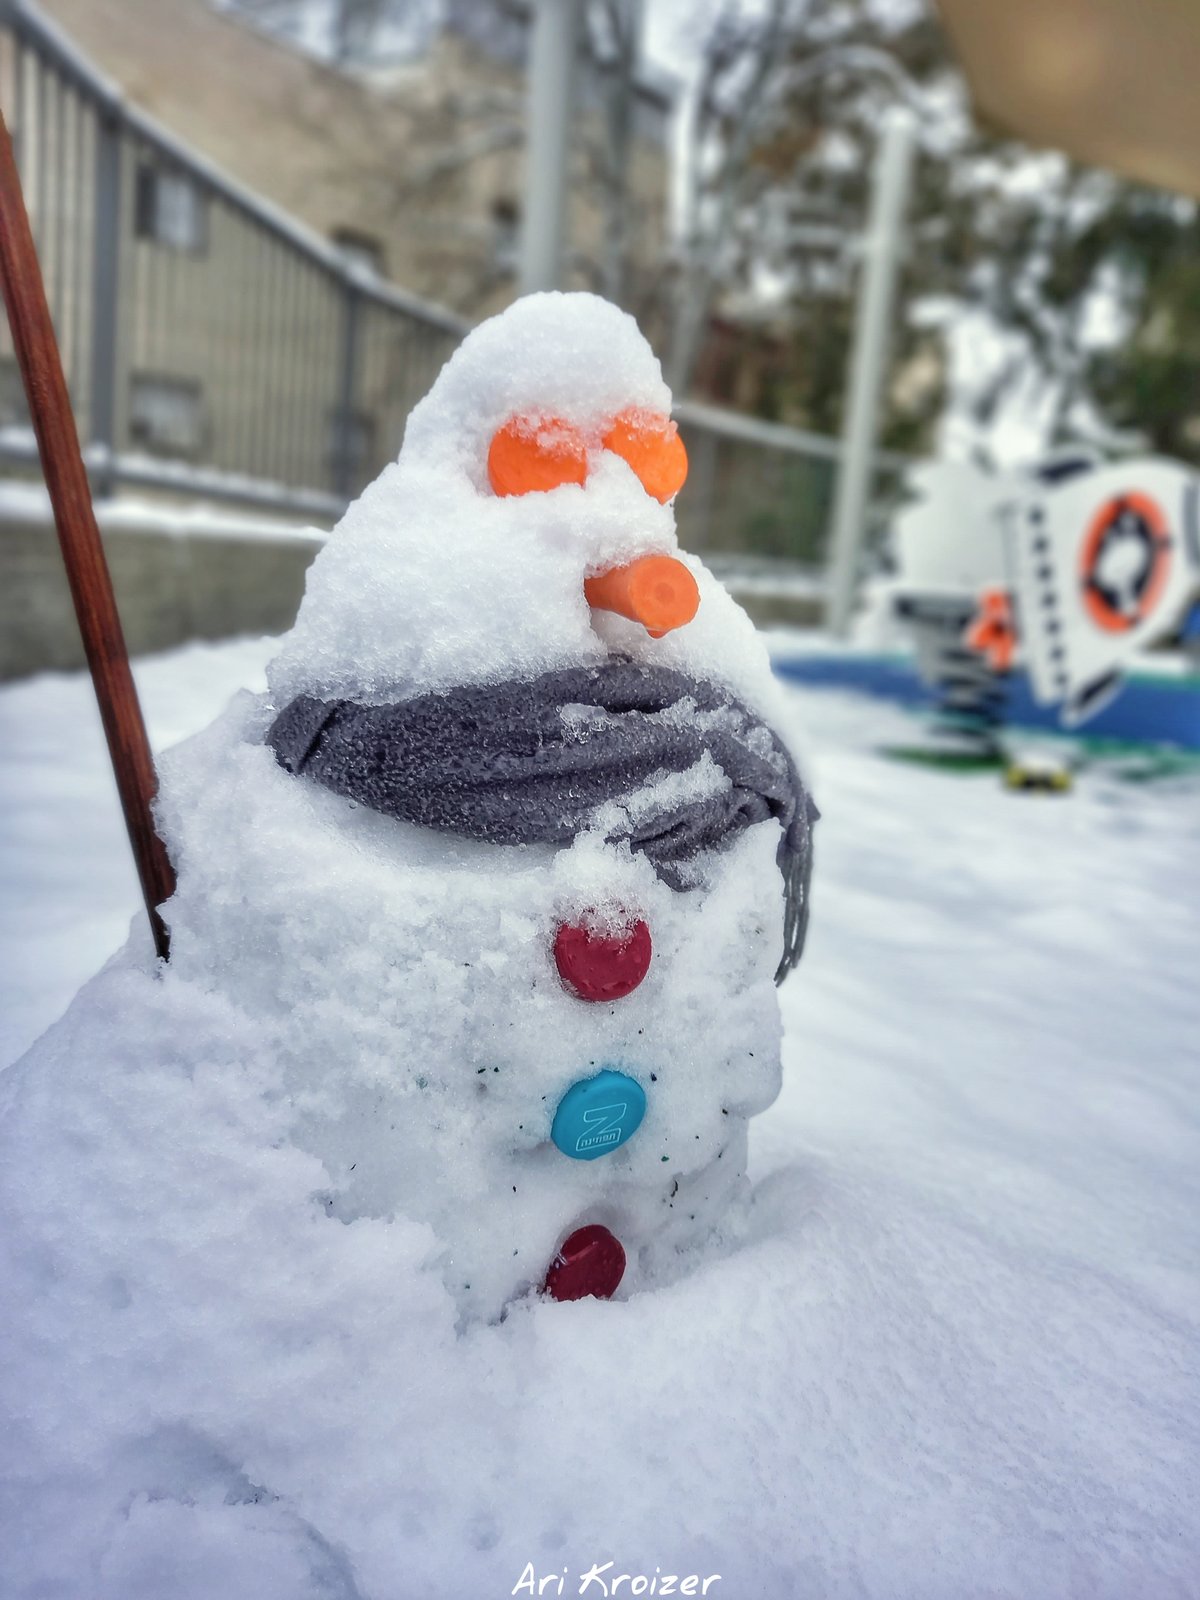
point(657, 591)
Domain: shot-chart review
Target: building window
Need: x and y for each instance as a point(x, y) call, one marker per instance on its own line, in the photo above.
point(170, 208)
point(166, 415)
point(360, 250)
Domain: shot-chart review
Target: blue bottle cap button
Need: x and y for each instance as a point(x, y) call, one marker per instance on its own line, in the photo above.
point(598, 1115)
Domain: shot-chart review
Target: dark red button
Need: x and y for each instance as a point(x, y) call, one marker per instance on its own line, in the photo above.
point(599, 966)
point(590, 1261)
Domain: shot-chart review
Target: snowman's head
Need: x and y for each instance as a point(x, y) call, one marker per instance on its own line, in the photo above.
point(527, 524)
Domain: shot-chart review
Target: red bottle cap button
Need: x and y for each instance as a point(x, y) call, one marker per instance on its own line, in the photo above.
point(590, 1261)
point(598, 966)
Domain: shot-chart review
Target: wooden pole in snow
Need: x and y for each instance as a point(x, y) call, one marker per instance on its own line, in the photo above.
point(83, 554)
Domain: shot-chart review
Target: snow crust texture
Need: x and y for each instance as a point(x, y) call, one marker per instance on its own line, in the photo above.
point(957, 1353)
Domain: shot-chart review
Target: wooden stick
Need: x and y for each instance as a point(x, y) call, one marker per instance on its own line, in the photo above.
point(83, 554)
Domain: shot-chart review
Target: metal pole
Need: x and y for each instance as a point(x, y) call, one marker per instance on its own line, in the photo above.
point(105, 258)
point(83, 554)
point(551, 69)
point(628, 21)
point(882, 249)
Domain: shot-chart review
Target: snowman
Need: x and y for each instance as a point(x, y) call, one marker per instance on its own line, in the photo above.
point(561, 730)
point(484, 902)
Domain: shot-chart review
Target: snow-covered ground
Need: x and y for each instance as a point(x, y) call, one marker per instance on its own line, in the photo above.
point(973, 1289)
point(67, 883)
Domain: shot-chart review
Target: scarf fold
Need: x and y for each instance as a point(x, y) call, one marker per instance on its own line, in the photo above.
point(675, 765)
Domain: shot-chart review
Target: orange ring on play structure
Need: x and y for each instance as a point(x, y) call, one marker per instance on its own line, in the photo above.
point(530, 455)
point(1098, 607)
point(650, 443)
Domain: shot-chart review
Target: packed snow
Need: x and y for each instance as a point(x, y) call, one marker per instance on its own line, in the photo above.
point(957, 1356)
point(277, 1216)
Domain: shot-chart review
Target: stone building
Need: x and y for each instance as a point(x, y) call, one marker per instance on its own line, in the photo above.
point(414, 166)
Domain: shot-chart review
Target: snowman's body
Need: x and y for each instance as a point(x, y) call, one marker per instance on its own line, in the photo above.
point(427, 1085)
point(391, 992)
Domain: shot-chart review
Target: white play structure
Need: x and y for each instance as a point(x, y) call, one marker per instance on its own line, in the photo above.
point(1070, 569)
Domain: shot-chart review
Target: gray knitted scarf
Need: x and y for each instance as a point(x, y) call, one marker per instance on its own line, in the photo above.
point(673, 764)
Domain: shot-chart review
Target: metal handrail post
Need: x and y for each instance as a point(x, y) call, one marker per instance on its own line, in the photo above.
point(882, 252)
point(344, 463)
point(548, 143)
point(102, 408)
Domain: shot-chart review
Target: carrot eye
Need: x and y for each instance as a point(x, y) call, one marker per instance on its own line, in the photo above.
point(650, 443)
point(529, 455)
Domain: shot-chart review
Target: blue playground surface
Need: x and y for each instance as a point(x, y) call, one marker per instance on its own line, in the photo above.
point(1149, 708)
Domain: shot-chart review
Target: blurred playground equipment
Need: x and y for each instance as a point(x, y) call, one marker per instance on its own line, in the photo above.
point(1038, 598)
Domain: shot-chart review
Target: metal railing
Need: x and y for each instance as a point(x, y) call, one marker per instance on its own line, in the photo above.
point(760, 494)
point(216, 347)
point(210, 341)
